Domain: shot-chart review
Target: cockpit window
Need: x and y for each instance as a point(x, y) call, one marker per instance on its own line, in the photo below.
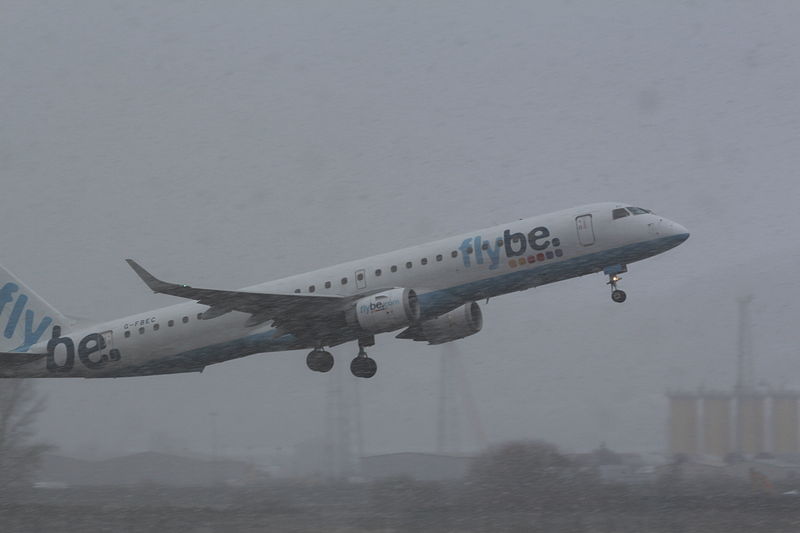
point(619, 213)
point(639, 210)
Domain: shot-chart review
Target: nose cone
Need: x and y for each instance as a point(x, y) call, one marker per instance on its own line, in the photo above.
point(675, 230)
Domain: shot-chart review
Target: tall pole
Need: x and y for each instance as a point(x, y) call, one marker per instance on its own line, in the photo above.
point(452, 415)
point(214, 446)
point(441, 422)
point(749, 407)
point(745, 373)
point(359, 428)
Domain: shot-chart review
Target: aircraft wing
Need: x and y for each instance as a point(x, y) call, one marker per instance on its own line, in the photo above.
point(287, 311)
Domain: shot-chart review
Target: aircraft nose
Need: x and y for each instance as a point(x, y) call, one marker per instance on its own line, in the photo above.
point(673, 229)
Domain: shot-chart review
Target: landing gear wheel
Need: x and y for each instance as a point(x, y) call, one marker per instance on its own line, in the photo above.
point(613, 272)
point(363, 366)
point(319, 360)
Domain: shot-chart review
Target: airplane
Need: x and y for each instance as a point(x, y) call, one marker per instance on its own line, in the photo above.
point(429, 292)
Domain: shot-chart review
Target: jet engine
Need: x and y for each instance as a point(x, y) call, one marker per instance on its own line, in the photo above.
point(459, 323)
point(385, 311)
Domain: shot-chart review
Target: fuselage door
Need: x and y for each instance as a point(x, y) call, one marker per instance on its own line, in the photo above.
point(585, 229)
point(361, 279)
point(108, 338)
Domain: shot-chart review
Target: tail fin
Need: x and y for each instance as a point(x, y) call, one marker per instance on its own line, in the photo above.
point(25, 318)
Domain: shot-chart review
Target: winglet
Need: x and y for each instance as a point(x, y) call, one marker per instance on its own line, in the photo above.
point(155, 284)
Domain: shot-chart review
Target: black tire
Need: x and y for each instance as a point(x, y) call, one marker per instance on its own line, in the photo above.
point(357, 365)
point(319, 361)
point(371, 368)
point(363, 367)
point(619, 296)
point(311, 361)
point(325, 362)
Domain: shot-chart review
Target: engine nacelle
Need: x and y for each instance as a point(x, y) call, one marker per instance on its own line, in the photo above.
point(386, 311)
point(459, 323)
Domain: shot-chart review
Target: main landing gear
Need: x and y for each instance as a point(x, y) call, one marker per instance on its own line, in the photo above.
point(319, 360)
point(613, 273)
point(363, 366)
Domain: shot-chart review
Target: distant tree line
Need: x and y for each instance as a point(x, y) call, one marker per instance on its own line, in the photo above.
point(20, 454)
point(517, 486)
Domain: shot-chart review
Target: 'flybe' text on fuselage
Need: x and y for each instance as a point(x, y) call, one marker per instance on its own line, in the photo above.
point(514, 244)
point(87, 347)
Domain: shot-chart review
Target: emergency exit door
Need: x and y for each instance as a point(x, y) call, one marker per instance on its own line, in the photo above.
point(108, 345)
point(361, 279)
point(585, 229)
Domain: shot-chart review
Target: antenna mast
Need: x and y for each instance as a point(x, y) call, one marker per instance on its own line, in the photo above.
point(745, 374)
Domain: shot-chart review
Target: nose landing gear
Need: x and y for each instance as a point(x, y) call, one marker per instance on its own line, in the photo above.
point(613, 273)
point(618, 296)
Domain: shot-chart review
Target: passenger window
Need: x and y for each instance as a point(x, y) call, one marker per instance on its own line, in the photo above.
point(327, 284)
point(311, 288)
point(454, 253)
point(408, 264)
point(424, 261)
point(439, 257)
point(297, 291)
point(394, 268)
point(499, 242)
point(360, 276)
point(619, 213)
point(171, 323)
point(155, 327)
point(127, 334)
point(485, 245)
point(344, 281)
point(470, 250)
point(141, 331)
point(378, 272)
point(185, 319)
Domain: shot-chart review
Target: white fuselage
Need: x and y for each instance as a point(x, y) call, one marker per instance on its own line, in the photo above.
point(445, 274)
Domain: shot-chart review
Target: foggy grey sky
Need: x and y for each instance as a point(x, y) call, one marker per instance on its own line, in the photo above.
point(228, 143)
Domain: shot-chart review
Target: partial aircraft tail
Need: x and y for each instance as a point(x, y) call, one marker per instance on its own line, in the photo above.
point(25, 318)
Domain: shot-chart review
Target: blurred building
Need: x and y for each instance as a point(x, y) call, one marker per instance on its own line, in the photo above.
point(750, 417)
point(716, 416)
point(147, 468)
point(785, 423)
point(419, 466)
point(683, 423)
point(745, 422)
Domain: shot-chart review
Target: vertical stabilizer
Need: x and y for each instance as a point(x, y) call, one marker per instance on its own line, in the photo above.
point(25, 318)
